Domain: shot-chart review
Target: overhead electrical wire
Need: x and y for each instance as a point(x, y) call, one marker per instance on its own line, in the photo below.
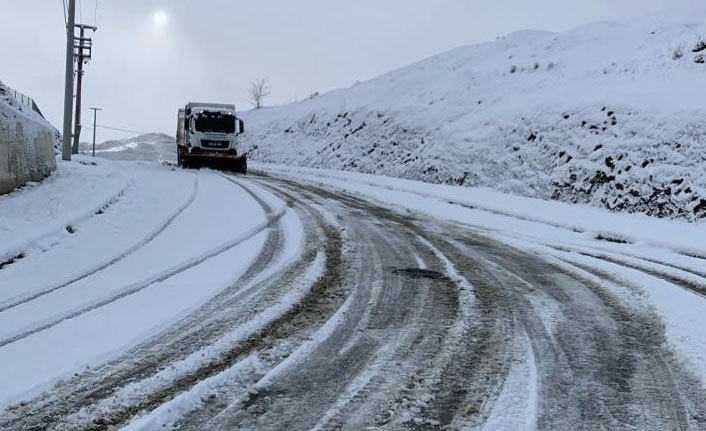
point(120, 130)
point(66, 18)
point(64, 8)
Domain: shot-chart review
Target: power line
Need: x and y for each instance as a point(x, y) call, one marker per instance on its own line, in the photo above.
point(121, 130)
point(63, 8)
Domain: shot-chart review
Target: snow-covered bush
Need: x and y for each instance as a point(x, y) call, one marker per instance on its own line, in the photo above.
point(700, 46)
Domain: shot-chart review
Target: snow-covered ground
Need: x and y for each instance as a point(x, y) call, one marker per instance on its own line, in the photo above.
point(103, 254)
point(106, 256)
point(609, 114)
point(574, 236)
point(542, 143)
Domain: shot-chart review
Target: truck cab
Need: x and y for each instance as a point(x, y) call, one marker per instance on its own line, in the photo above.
point(208, 132)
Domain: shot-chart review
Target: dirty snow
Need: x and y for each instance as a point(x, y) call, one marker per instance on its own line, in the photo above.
point(558, 229)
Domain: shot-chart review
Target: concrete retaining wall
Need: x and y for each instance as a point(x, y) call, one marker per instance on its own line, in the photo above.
point(24, 159)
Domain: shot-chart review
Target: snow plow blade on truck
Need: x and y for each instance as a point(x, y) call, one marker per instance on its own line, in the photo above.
point(207, 135)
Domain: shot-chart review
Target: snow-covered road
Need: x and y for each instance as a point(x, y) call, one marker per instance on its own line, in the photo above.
point(138, 296)
point(125, 271)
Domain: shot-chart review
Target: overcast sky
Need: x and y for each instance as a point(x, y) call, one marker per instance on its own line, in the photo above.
point(146, 64)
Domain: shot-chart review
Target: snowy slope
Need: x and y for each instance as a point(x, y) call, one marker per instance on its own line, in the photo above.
point(12, 112)
point(150, 146)
point(607, 114)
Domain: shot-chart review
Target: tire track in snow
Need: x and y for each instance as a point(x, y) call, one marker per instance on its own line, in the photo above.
point(290, 314)
point(273, 316)
point(598, 362)
point(8, 254)
point(692, 281)
point(593, 362)
point(266, 207)
point(163, 276)
point(364, 392)
point(595, 352)
point(680, 276)
point(79, 402)
point(213, 360)
point(402, 320)
point(148, 239)
point(673, 387)
point(517, 403)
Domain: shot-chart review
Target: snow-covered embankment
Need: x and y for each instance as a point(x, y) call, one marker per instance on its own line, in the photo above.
point(26, 144)
point(607, 114)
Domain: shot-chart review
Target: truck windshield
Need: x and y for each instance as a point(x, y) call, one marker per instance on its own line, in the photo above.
point(215, 122)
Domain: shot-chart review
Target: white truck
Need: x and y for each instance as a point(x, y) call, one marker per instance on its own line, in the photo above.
point(207, 134)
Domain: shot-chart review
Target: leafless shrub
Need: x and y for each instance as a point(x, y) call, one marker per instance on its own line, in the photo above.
point(258, 92)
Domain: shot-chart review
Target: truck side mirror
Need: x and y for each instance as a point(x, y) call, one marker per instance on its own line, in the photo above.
point(241, 126)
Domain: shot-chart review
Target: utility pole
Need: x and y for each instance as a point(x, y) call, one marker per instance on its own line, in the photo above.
point(69, 85)
point(84, 48)
point(95, 116)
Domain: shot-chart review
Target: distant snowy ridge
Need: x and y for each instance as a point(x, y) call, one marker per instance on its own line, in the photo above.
point(150, 146)
point(611, 115)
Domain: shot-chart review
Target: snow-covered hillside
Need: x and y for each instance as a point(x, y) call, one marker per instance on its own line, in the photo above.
point(151, 146)
point(608, 114)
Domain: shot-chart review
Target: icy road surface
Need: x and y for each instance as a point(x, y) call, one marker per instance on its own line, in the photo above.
point(140, 297)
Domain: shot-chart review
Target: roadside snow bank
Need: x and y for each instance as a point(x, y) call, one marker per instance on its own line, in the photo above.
point(607, 114)
point(74, 193)
point(504, 212)
point(27, 143)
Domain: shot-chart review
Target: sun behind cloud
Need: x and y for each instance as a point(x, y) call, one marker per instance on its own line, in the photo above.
point(160, 18)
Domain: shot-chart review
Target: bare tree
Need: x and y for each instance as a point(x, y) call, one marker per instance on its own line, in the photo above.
point(258, 91)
